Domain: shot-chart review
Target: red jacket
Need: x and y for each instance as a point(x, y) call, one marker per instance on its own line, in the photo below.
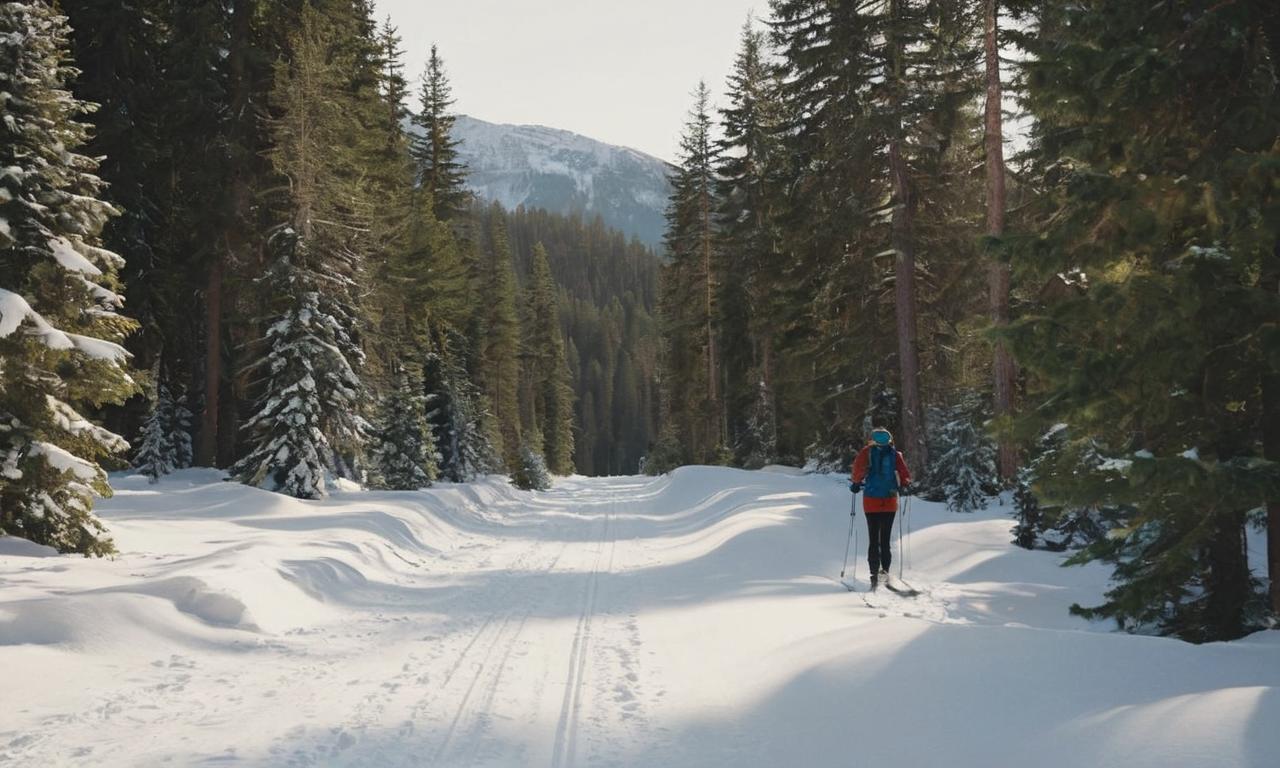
point(870, 504)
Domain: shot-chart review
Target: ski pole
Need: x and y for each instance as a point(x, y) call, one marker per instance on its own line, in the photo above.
point(852, 533)
point(902, 551)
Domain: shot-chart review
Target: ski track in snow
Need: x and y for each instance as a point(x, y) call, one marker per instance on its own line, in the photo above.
point(687, 620)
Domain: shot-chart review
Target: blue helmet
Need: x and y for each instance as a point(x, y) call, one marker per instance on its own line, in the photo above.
point(881, 436)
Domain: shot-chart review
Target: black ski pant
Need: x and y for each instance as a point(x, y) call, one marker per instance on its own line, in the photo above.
point(879, 530)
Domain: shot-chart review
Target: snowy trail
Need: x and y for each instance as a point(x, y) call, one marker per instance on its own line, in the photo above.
point(688, 620)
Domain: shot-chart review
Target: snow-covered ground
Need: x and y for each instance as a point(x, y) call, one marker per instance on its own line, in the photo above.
point(688, 620)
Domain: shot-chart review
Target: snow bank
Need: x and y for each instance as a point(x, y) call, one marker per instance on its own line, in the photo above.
point(687, 620)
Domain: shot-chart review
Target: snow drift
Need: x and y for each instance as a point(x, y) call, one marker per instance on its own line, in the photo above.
point(688, 620)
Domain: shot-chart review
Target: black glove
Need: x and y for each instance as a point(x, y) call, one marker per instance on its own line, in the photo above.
point(855, 487)
point(905, 490)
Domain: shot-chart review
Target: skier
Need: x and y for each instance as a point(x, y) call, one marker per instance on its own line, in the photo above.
point(880, 472)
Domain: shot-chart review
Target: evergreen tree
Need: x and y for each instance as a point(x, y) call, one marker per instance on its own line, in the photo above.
point(316, 120)
point(531, 473)
point(667, 454)
point(1044, 524)
point(964, 471)
point(498, 336)
point(1004, 371)
point(689, 290)
point(455, 413)
point(836, 348)
point(59, 331)
point(189, 186)
point(607, 291)
point(879, 222)
point(546, 370)
point(1153, 128)
point(440, 174)
point(404, 455)
point(165, 443)
point(389, 181)
point(749, 170)
point(432, 273)
point(118, 52)
point(229, 50)
point(758, 444)
point(306, 377)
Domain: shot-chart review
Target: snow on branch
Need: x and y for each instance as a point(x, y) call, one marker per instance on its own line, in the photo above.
point(69, 420)
point(99, 349)
point(70, 258)
point(65, 461)
point(14, 310)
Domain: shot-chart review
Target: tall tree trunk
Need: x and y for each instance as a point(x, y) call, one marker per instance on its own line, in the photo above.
point(713, 374)
point(913, 422)
point(207, 447)
point(1227, 580)
point(239, 253)
point(1004, 368)
point(1271, 379)
point(905, 312)
point(1271, 441)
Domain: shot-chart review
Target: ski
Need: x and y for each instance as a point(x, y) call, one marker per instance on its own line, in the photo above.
point(905, 590)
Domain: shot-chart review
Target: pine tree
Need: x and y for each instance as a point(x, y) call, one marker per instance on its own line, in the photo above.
point(1153, 128)
point(879, 224)
point(838, 346)
point(389, 182)
point(455, 413)
point(404, 455)
point(165, 443)
point(964, 470)
point(440, 174)
point(689, 290)
point(187, 182)
point(748, 240)
point(317, 119)
point(607, 286)
point(432, 272)
point(118, 52)
point(225, 53)
point(1044, 523)
point(1004, 371)
point(498, 335)
point(59, 331)
point(666, 454)
point(531, 473)
point(546, 370)
point(306, 377)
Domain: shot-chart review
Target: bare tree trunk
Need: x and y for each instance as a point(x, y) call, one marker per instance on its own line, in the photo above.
point(913, 422)
point(1004, 369)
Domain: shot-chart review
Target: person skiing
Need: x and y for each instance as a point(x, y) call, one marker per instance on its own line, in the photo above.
point(880, 472)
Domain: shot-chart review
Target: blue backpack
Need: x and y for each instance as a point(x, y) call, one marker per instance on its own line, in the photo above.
point(882, 473)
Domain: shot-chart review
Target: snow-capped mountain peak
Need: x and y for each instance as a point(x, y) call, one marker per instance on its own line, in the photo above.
point(564, 172)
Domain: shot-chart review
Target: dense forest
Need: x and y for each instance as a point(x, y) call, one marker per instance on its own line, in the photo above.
point(1090, 323)
point(1038, 240)
point(223, 242)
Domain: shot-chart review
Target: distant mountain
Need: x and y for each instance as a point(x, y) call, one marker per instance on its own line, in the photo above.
point(563, 172)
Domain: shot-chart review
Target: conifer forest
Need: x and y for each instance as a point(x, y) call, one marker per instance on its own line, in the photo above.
point(1036, 240)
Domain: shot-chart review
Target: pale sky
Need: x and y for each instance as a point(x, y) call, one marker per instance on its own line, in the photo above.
point(621, 71)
